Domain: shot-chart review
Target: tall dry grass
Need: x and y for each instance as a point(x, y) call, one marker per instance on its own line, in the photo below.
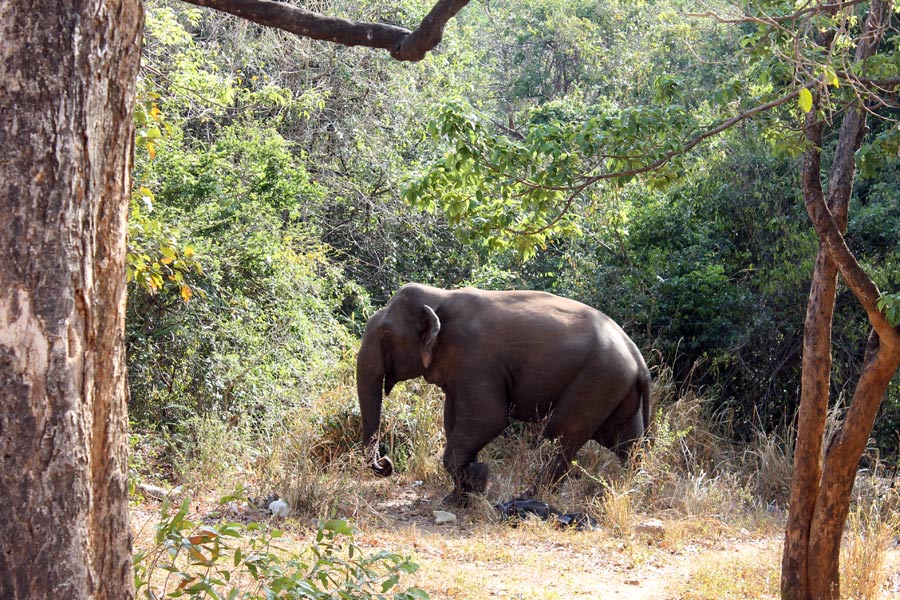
point(873, 527)
point(688, 471)
point(317, 464)
point(686, 467)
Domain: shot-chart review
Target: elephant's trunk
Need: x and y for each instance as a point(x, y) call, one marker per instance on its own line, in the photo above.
point(369, 384)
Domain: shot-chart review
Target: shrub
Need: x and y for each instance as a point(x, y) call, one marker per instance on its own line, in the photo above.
point(234, 560)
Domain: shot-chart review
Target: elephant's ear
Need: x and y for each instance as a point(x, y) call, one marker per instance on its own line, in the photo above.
point(429, 337)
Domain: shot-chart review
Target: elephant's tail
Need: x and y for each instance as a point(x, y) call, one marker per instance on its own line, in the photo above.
point(644, 383)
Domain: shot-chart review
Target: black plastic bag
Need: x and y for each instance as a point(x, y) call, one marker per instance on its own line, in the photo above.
point(519, 509)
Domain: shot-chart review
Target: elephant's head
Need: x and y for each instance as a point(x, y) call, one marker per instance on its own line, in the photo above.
point(398, 344)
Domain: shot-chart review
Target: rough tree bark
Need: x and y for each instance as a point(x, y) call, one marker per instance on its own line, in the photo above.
point(68, 71)
point(814, 393)
point(820, 494)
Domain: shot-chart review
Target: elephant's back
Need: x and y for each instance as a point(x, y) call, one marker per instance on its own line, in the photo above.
point(533, 328)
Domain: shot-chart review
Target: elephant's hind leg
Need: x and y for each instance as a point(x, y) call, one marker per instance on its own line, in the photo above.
point(568, 445)
point(622, 438)
point(624, 427)
point(575, 419)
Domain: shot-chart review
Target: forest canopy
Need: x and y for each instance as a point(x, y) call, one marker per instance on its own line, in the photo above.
point(284, 188)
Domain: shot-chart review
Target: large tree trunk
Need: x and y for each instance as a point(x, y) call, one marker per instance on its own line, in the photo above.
point(68, 71)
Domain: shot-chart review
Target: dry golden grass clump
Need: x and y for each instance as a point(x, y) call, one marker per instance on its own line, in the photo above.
point(872, 528)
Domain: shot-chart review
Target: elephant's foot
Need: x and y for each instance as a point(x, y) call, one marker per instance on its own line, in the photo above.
point(473, 482)
point(476, 478)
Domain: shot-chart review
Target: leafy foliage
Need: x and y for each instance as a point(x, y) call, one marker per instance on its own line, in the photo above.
point(244, 561)
point(287, 187)
point(155, 258)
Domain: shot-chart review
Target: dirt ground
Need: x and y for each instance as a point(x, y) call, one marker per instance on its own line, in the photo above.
point(479, 557)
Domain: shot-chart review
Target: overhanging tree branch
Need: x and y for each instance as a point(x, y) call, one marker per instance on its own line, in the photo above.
point(747, 17)
point(402, 43)
point(655, 165)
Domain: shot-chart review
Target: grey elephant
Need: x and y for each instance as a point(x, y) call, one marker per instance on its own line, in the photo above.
point(531, 356)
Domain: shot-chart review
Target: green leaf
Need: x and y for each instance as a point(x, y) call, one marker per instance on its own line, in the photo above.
point(805, 100)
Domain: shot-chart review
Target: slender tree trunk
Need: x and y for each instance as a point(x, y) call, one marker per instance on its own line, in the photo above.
point(820, 494)
point(68, 71)
point(841, 462)
point(815, 380)
point(815, 383)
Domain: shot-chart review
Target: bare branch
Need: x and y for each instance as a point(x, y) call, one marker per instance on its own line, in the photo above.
point(828, 225)
point(877, 83)
point(853, 274)
point(402, 43)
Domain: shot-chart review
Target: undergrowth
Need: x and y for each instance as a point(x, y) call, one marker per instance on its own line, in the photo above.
point(687, 471)
point(247, 561)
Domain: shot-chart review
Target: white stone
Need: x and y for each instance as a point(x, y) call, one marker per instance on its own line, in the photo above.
point(442, 517)
point(153, 491)
point(651, 527)
point(279, 508)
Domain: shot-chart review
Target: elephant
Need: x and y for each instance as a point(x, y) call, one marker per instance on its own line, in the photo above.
point(525, 355)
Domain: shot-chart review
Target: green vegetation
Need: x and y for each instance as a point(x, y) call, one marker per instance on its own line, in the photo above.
point(192, 560)
point(269, 218)
point(285, 188)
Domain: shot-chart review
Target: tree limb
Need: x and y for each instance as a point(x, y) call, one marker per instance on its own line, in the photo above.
point(403, 44)
point(655, 165)
point(830, 218)
point(746, 17)
point(853, 274)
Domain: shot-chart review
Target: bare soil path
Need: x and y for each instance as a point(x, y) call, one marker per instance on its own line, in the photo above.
point(478, 557)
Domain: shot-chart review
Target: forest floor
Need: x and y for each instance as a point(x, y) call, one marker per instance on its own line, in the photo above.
point(480, 557)
point(475, 558)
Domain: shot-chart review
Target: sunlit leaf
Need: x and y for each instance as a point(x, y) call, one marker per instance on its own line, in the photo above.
point(805, 100)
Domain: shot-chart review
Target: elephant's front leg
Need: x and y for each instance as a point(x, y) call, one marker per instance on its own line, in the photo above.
point(467, 433)
point(469, 476)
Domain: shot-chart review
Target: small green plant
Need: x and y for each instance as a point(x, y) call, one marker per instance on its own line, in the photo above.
point(243, 561)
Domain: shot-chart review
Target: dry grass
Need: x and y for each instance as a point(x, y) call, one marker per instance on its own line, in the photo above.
point(872, 527)
point(616, 507)
point(745, 572)
point(769, 460)
point(687, 472)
